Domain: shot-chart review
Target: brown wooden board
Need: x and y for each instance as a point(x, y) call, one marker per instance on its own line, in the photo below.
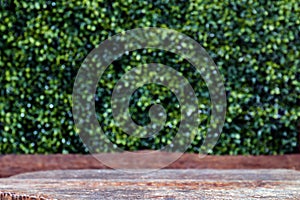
point(162, 184)
point(15, 164)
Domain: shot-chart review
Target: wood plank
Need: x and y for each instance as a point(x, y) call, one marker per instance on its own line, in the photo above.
point(15, 164)
point(165, 184)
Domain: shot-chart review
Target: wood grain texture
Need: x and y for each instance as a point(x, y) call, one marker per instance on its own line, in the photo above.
point(162, 184)
point(15, 164)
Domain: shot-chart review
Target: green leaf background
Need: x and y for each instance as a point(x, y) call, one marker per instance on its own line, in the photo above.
point(255, 44)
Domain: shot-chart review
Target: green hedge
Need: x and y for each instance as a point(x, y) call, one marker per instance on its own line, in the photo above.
point(255, 44)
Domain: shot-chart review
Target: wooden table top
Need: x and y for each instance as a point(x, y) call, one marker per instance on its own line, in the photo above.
point(167, 184)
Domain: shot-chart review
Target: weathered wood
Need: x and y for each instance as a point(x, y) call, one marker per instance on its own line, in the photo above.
point(15, 164)
point(13, 196)
point(162, 184)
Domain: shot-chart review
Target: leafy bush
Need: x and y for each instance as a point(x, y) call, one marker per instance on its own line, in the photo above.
point(255, 44)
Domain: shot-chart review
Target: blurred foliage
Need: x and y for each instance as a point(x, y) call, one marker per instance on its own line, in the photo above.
point(255, 44)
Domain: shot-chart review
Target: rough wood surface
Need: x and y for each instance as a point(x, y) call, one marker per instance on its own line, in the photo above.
point(13, 196)
point(163, 184)
point(15, 164)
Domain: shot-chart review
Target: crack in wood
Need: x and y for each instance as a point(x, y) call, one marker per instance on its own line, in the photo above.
point(14, 196)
